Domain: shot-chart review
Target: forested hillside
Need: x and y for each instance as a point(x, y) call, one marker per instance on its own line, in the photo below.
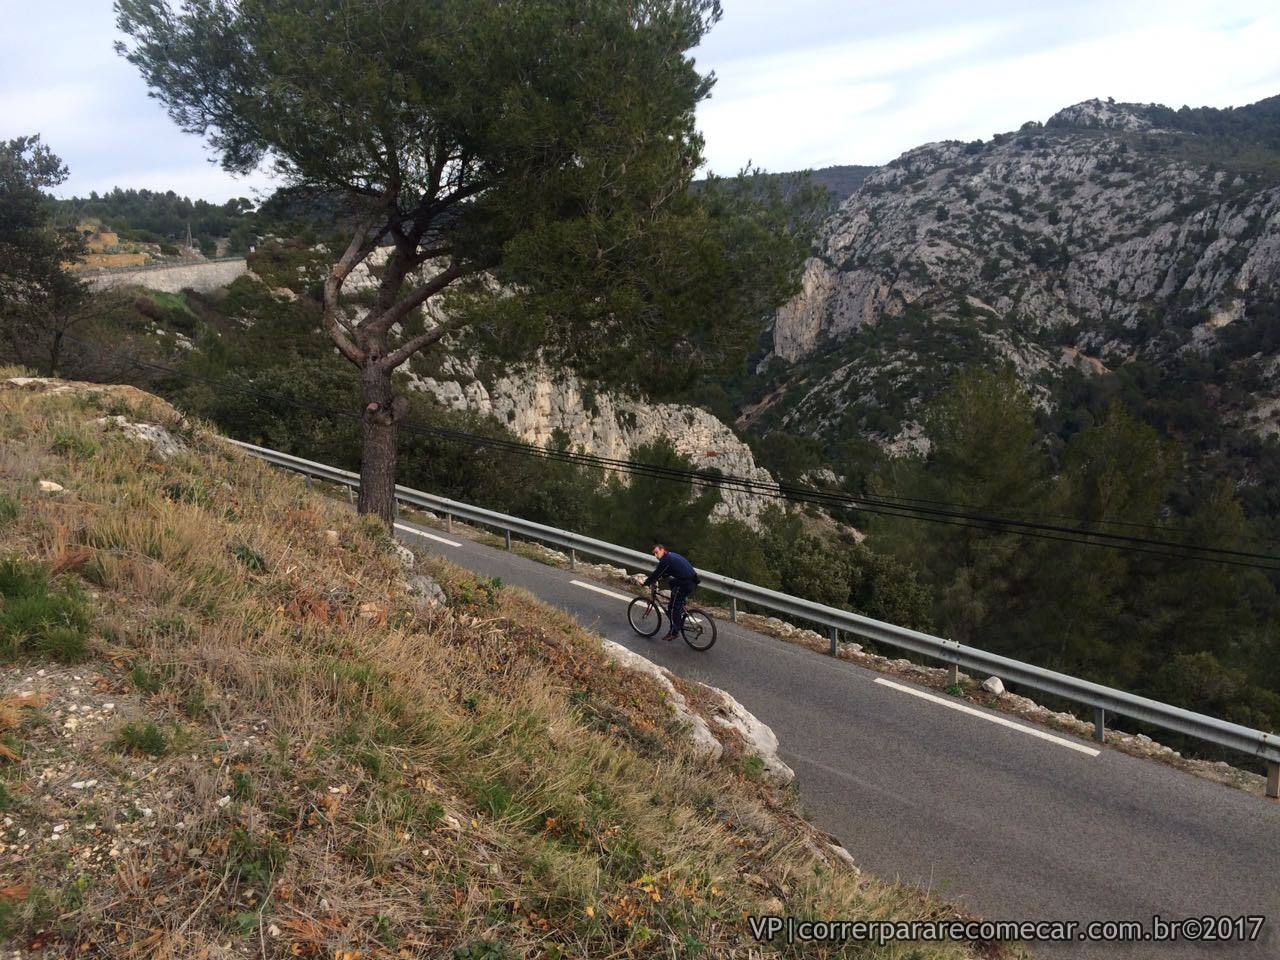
point(152, 216)
point(1073, 325)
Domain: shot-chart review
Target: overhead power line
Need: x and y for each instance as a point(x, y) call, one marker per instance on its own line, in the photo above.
point(877, 505)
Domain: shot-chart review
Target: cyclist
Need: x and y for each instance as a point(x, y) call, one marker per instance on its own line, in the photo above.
point(684, 580)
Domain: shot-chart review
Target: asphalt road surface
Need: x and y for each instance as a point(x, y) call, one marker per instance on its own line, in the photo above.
point(1008, 820)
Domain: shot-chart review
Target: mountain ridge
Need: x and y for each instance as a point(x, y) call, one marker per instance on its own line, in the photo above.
point(1075, 247)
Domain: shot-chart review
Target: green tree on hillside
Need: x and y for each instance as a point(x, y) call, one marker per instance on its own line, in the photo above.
point(1116, 477)
point(550, 144)
point(39, 300)
point(644, 508)
point(984, 457)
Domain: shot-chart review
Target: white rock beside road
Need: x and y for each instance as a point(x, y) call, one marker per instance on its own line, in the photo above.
point(760, 740)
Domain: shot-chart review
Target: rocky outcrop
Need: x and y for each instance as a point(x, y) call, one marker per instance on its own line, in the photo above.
point(1100, 230)
point(1103, 115)
point(163, 444)
point(757, 738)
point(536, 403)
point(1103, 248)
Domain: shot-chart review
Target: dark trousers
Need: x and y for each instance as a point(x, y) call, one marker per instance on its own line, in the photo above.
point(675, 609)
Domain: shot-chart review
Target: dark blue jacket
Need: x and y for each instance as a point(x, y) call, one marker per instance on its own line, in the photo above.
point(677, 568)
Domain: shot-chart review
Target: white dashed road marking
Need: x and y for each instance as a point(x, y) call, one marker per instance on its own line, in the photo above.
point(429, 536)
point(607, 593)
point(1071, 744)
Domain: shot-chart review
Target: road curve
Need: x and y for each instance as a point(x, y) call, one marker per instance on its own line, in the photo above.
point(1009, 825)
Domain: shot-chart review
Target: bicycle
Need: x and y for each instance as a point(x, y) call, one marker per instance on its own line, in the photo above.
point(645, 616)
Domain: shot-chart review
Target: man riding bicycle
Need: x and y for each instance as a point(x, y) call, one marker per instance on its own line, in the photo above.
point(684, 580)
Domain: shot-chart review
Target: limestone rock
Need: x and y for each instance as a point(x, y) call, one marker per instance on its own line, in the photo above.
point(405, 556)
point(704, 742)
point(163, 444)
point(537, 402)
point(993, 685)
point(845, 856)
point(1067, 232)
point(760, 738)
point(427, 591)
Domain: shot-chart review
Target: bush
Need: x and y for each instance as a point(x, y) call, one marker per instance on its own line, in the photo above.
point(249, 557)
point(170, 310)
point(137, 739)
point(73, 445)
point(37, 620)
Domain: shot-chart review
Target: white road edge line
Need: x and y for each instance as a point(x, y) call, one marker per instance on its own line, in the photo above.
point(986, 716)
point(607, 593)
point(429, 536)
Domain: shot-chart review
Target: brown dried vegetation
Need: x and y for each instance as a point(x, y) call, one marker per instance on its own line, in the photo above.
point(326, 767)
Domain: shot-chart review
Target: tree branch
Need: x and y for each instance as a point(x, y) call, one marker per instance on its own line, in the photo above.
point(334, 323)
point(415, 299)
point(410, 347)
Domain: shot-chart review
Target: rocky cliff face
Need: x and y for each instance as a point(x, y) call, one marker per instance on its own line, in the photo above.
point(535, 403)
point(1084, 244)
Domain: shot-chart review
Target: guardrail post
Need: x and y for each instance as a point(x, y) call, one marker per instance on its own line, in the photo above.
point(308, 481)
point(1273, 779)
point(573, 559)
point(1100, 724)
point(508, 533)
point(351, 497)
point(835, 642)
point(953, 675)
point(733, 609)
point(448, 522)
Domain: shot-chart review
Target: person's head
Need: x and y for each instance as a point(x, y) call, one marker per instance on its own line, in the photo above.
point(659, 551)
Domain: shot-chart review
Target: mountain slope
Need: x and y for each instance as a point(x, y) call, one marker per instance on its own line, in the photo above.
point(1113, 235)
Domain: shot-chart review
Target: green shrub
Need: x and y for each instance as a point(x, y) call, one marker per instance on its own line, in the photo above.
point(38, 620)
point(255, 860)
point(482, 950)
point(73, 445)
point(148, 677)
point(149, 740)
point(170, 310)
point(250, 557)
point(8, 509)
point(189, 491)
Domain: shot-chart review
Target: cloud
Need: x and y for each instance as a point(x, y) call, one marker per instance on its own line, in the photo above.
point(871, 99)
point(808, 83)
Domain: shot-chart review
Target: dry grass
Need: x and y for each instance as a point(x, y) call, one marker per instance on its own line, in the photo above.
point(349, 773)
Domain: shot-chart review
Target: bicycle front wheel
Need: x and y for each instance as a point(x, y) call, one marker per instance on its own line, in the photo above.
point(644, 616)
point(699, 630)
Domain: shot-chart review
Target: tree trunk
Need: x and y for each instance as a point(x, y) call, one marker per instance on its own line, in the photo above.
point(378, 446)
point(55, 353)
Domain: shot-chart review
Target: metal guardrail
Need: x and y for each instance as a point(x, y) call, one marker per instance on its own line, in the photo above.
point(1103, 700)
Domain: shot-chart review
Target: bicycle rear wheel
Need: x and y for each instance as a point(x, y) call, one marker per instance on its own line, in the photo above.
point(699, 630)
point(644, 616)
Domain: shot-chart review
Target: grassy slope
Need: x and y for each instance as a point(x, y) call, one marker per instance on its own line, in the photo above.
point(297, 760)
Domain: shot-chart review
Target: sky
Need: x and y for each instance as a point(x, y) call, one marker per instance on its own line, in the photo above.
point(800, 84)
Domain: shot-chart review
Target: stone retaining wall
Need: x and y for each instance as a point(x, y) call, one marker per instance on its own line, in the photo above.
point(205, 276)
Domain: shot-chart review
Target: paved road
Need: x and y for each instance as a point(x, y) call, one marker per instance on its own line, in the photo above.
point(1010, 825)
